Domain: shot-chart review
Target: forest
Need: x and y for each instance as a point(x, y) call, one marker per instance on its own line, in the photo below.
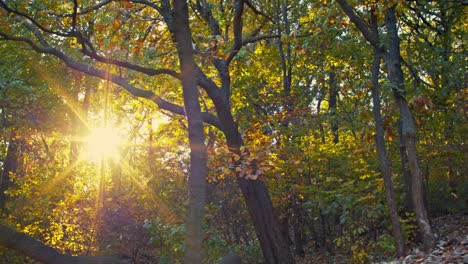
point(233, 131)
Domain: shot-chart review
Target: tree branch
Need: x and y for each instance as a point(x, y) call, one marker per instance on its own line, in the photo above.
point(85, 11)
point(163, 104)
point(360, 24)
point(256, 11)
point(237, 29)
point(23, 15)
point(208, 17)
point(125, 64)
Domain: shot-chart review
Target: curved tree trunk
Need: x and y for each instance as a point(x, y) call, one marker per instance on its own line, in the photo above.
point(38, 251)
point(274, 246)
point(395, 75)
point(392, 59)
point(383, 159)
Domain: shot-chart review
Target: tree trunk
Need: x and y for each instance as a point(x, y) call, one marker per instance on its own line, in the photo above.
point(284, 226)
point(298, 227)
point(333, 93)
point(383, 159)
point(9, 166)
point(37, 250)
point(198, 156)
point(274, 246)
point(320, 98)
point(408, 206)
point(395, 74)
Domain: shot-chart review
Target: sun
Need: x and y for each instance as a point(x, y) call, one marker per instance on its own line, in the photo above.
point(103, 142)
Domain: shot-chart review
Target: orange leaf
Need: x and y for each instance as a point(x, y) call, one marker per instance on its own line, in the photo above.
point(116, 24)
point(127, 4)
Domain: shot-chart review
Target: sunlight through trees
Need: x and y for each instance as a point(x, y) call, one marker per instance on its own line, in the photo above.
point(196, 131)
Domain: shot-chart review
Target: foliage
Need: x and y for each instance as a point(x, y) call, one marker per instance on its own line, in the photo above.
point(317, 159)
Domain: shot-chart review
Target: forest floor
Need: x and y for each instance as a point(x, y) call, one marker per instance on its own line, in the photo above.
point(452, 243)
point(451, 246)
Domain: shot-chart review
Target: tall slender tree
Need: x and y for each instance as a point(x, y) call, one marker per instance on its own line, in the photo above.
point(392, 59)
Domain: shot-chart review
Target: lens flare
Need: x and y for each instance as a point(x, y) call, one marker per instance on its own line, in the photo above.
point(103, 142)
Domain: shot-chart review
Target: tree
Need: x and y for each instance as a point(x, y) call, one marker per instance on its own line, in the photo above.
point(383, 158)
point(392, 59)
point(198, 159)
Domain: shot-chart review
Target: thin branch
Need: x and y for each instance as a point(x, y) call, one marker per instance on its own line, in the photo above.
point(28, 17)
point(75, 11)
point(237, 29)
point(208, 17)
point(85, 11)
point(256, 11)
point(359, 22)
point(148, 3)
point(414, 72)
point(125, 64)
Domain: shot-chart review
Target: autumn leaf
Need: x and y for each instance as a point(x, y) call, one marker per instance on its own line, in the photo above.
point(127, 4)
point(116, 24)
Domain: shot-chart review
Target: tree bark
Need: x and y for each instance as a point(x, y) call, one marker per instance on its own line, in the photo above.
point(274, 246)
point(9, 166)
point(383, 159)
point(298, 227)
point(408, 206)
point(333, 93)
point(392, 59)
point(38, 251)
point(198, 156)
point(395, 75)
